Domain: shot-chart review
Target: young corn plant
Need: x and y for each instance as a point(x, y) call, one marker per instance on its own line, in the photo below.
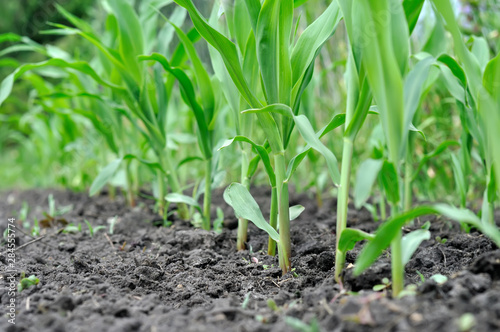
point(397, 92)
point(285, 71)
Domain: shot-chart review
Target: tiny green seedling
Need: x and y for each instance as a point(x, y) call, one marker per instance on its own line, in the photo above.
point(26, 283)
point(441, 240)
point(466, 322)
point(72, 228)
point(300, 326)
point(422, 278)
point(386, 283)
point(439, 278)
point(219, 221)
point(246, 301)
point(93, 230)
point(112, 223)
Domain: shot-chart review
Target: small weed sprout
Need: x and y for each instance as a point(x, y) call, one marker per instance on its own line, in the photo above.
point(26, 283)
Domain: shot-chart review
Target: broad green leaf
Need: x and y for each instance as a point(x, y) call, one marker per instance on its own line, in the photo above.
point(481, 51)
point(131, 37)
point(365, 178)
point(437, 42)
point(335, 122)
point(245, 206)
point(489, 108)
point(313, 37)
point(295, 211)
point(385, 64)
point(104, 176)
point(414, 88)
point(225, 47)
point(453, 84)
point(383, 237)
point(273, 38)
point(351, 236)
point(9, 37)
point(411, 242)
point(412, 11)
point(389, 229)
point(390, 182)
point(253, 7)
point(180, 198)
point(307, 132)
point(360, 112)
point(454, 66)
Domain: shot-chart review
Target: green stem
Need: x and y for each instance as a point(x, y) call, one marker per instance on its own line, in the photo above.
point(383, 214)
point(342, 203)
point(273, 220)
point(407, 182)
point(397, 264)
point(207, 197)
point(175, 187)
point(161, 192)
point(112, 192)
point(397, 267)
point(242, 222)
point(130, 192)
point(283, 212)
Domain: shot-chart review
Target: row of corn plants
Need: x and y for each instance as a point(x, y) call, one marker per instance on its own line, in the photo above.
point(242, 83)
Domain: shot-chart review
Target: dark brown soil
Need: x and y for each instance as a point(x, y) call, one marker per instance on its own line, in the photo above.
point(152, 278)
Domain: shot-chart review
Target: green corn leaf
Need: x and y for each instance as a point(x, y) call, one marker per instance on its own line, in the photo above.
point(187, 88)
point(384, 65)
point(414, 88)
point(9, 37)
point(311, 40)
point(365, 178)
point(384, 236)
point(453, 84)
point(436, 152)
point(180, 198)
point(297, 3)
point(225, 47)
point(454, 66)
point(130, 36)
point(335, 122)
point(307, 132)
point(104, 176)
point(83, 67)
point(263, 154)
point(389, 229)
point(273, 36)
point(241, 20)
point(412, 12)
point(350, 237)
point(436, 43)
point(489, 108)
point(390, 181)
point(460, 179)
point(245, 206)
point(296, 211)
point(481, 51)
point(411, 242)
point(253, 7)
point(204, 82)
point(360, 113)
